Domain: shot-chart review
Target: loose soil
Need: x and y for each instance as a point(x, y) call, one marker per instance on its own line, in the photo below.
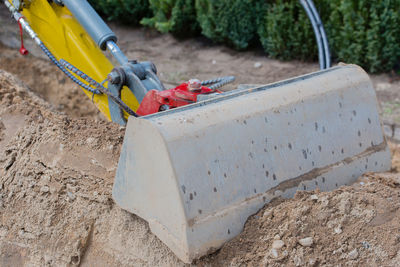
point(57, 210)
point(58, 158)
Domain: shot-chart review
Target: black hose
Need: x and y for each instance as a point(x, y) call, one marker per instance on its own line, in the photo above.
point(65, 67)
point(99, 87)
point(66, 72)
point(320, 35)
point(310, 15)
point(323, 34)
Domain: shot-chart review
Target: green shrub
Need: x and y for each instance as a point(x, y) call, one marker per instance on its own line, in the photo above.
point(124, 11)
point(287, 33)
point(366, 33)
point(175, 16)
point(362, 32)
point(233, 22)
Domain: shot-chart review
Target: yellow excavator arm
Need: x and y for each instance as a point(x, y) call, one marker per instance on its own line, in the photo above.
point(73, 35)
point(67, 39)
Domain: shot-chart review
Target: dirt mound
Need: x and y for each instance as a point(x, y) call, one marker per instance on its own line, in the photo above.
point(353, 226)
point(56, 179)
point(48, 82)
point(57, 210)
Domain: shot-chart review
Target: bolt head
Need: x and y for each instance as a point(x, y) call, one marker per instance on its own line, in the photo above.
point(114, 77)
point(194, 85)
point(164, 108)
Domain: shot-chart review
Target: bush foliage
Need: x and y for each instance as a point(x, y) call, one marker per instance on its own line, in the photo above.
point(175, 16)
point(286, 32)
point(363, 32)
point(233, 22)
point(124, 11)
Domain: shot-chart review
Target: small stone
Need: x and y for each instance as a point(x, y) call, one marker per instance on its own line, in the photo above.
point(257, 65)
point(338, 230)
point(274, 253)
point(278, 244)
point(353, 254)
point(46, 178)
point(95, 193)
point(306, 242)
point(314, 197)
point(44, 189)
point(277, 237)
point(90, 140)
point(71, 196)
point(213, 62)
point(365, 244)
point(267, 213)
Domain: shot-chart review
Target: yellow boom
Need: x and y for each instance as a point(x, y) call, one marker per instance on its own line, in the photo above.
point(66, 39)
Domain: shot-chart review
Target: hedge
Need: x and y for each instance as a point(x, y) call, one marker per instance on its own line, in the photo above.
point(366, 32)
point(233, 22)
point(363, 32)
point(124, 11)
point(285, 31)
point(175, 16)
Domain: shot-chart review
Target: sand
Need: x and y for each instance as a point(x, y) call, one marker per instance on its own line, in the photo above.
point(56, 205)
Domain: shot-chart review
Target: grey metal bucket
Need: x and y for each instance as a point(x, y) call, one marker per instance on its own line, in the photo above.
point(197, 173)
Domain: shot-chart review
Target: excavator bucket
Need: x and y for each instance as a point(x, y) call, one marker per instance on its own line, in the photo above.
point(196, 173)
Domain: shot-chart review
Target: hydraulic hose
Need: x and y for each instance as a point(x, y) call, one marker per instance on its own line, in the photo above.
point(320, 35)
point(323, 34)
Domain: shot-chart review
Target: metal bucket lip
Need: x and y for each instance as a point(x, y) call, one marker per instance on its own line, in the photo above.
point(241, 92)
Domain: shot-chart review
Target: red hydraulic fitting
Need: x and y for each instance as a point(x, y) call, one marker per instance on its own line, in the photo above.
point(184, 94)
point(194, 85)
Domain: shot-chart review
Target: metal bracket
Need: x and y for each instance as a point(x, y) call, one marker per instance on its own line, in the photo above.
point(139, 77)
point(117, 115)
point(17, 4)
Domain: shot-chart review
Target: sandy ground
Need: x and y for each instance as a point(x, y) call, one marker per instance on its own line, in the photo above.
point(56, 206)
point(58, 158)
